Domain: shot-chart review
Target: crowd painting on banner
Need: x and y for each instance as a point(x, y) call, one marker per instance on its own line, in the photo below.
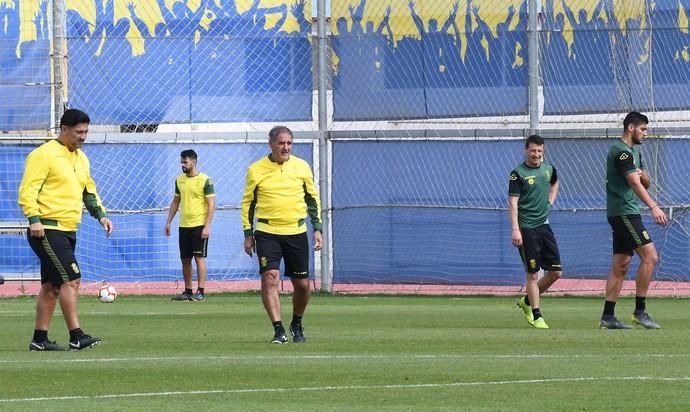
point(195, 61)
point(415, 59)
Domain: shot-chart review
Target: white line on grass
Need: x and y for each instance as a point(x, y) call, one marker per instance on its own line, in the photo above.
point(346, 388)
point(348, 357)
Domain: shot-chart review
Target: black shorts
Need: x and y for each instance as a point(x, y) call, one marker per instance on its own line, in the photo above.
point(294, 249)
point(191, 243)
point(539, 249)
point(628, 234)
point(56, 252)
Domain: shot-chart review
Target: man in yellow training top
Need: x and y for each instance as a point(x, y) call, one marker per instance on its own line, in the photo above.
point(280, 192)
point(56, 182)
point(195, 197)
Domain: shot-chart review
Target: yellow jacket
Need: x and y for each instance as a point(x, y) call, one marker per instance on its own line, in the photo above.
point(281, 195)
point(56, 182)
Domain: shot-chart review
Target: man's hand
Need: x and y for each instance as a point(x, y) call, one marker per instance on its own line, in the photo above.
point(249, 245)
point(659, 216)
point(166, 230)
point(517, 238)
point(36, 230)
point(318, 240)
point(205, 232)
point(107, 225)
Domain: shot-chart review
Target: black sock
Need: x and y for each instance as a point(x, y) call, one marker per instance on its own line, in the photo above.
point(609, 308)
point(527, 300)
point(75, 334)
point(187, 291)
point(640, 304)
point(40, 335)
point(200, 290)
point(296, 320)
point(278, 326)
point(536, 313)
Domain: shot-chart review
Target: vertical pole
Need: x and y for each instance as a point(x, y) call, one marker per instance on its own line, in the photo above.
point(533, 66)
point(324, 175)
point(58, 60)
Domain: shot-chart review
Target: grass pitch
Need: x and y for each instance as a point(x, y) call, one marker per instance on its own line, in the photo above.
point(369, 353)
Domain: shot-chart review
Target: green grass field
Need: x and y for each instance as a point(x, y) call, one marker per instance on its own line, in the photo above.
point(375, 353)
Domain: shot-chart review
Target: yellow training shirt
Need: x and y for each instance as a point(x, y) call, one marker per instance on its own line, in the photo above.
point(281, 195)
point(56, 182)
point(193, 192)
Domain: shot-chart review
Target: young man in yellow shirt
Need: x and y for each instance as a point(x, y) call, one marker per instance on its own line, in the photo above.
point(195, 197)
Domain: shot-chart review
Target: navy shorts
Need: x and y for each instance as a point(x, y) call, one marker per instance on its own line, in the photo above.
point(56, 252)
point(539, 249)
point(294, 249)
point(191, 243)
point(629, 234)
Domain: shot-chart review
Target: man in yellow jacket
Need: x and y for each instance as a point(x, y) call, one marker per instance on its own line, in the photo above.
point(56, 181)
point(280, 192)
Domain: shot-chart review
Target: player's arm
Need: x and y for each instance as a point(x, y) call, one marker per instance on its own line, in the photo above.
point(248, 206)
point(311, 197)
point(36, 170)
point(553, 189)
point(95, 207)
point(514, 189)
point(174, 206)
point(625, 166)
point(210, 194)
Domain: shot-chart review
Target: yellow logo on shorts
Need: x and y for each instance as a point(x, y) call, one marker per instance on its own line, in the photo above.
point(263, 260)
point(645, 234)
point(75, 268)
point(532, 264)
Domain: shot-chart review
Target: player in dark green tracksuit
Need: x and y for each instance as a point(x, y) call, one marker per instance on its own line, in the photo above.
point(623, 188)
point(532, 190)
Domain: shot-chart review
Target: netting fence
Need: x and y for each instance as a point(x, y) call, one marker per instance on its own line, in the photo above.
point(426, 106)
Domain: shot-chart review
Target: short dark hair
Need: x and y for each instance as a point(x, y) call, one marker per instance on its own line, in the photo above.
point(635, 119)
point(273, 134)
point(534, 139)
point(188, 154)
point(73, 117)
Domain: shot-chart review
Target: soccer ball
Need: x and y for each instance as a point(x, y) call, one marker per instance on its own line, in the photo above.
point(107, 294)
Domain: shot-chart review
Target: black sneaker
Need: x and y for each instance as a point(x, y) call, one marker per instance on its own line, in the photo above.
point(297, 332)
point(84, 342)
point(45, 346)
point(280, 337)
point(197, 297)
point(182, 296)
point(610, 322)
point(643, 319)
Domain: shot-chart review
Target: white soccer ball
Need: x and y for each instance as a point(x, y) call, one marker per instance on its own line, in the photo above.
point(107, 294)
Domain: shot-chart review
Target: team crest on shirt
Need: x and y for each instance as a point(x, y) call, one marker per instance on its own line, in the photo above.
point(624, 156)
point(75, 267)
point(532, 264)
point(530, 181)
point(645, 234)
